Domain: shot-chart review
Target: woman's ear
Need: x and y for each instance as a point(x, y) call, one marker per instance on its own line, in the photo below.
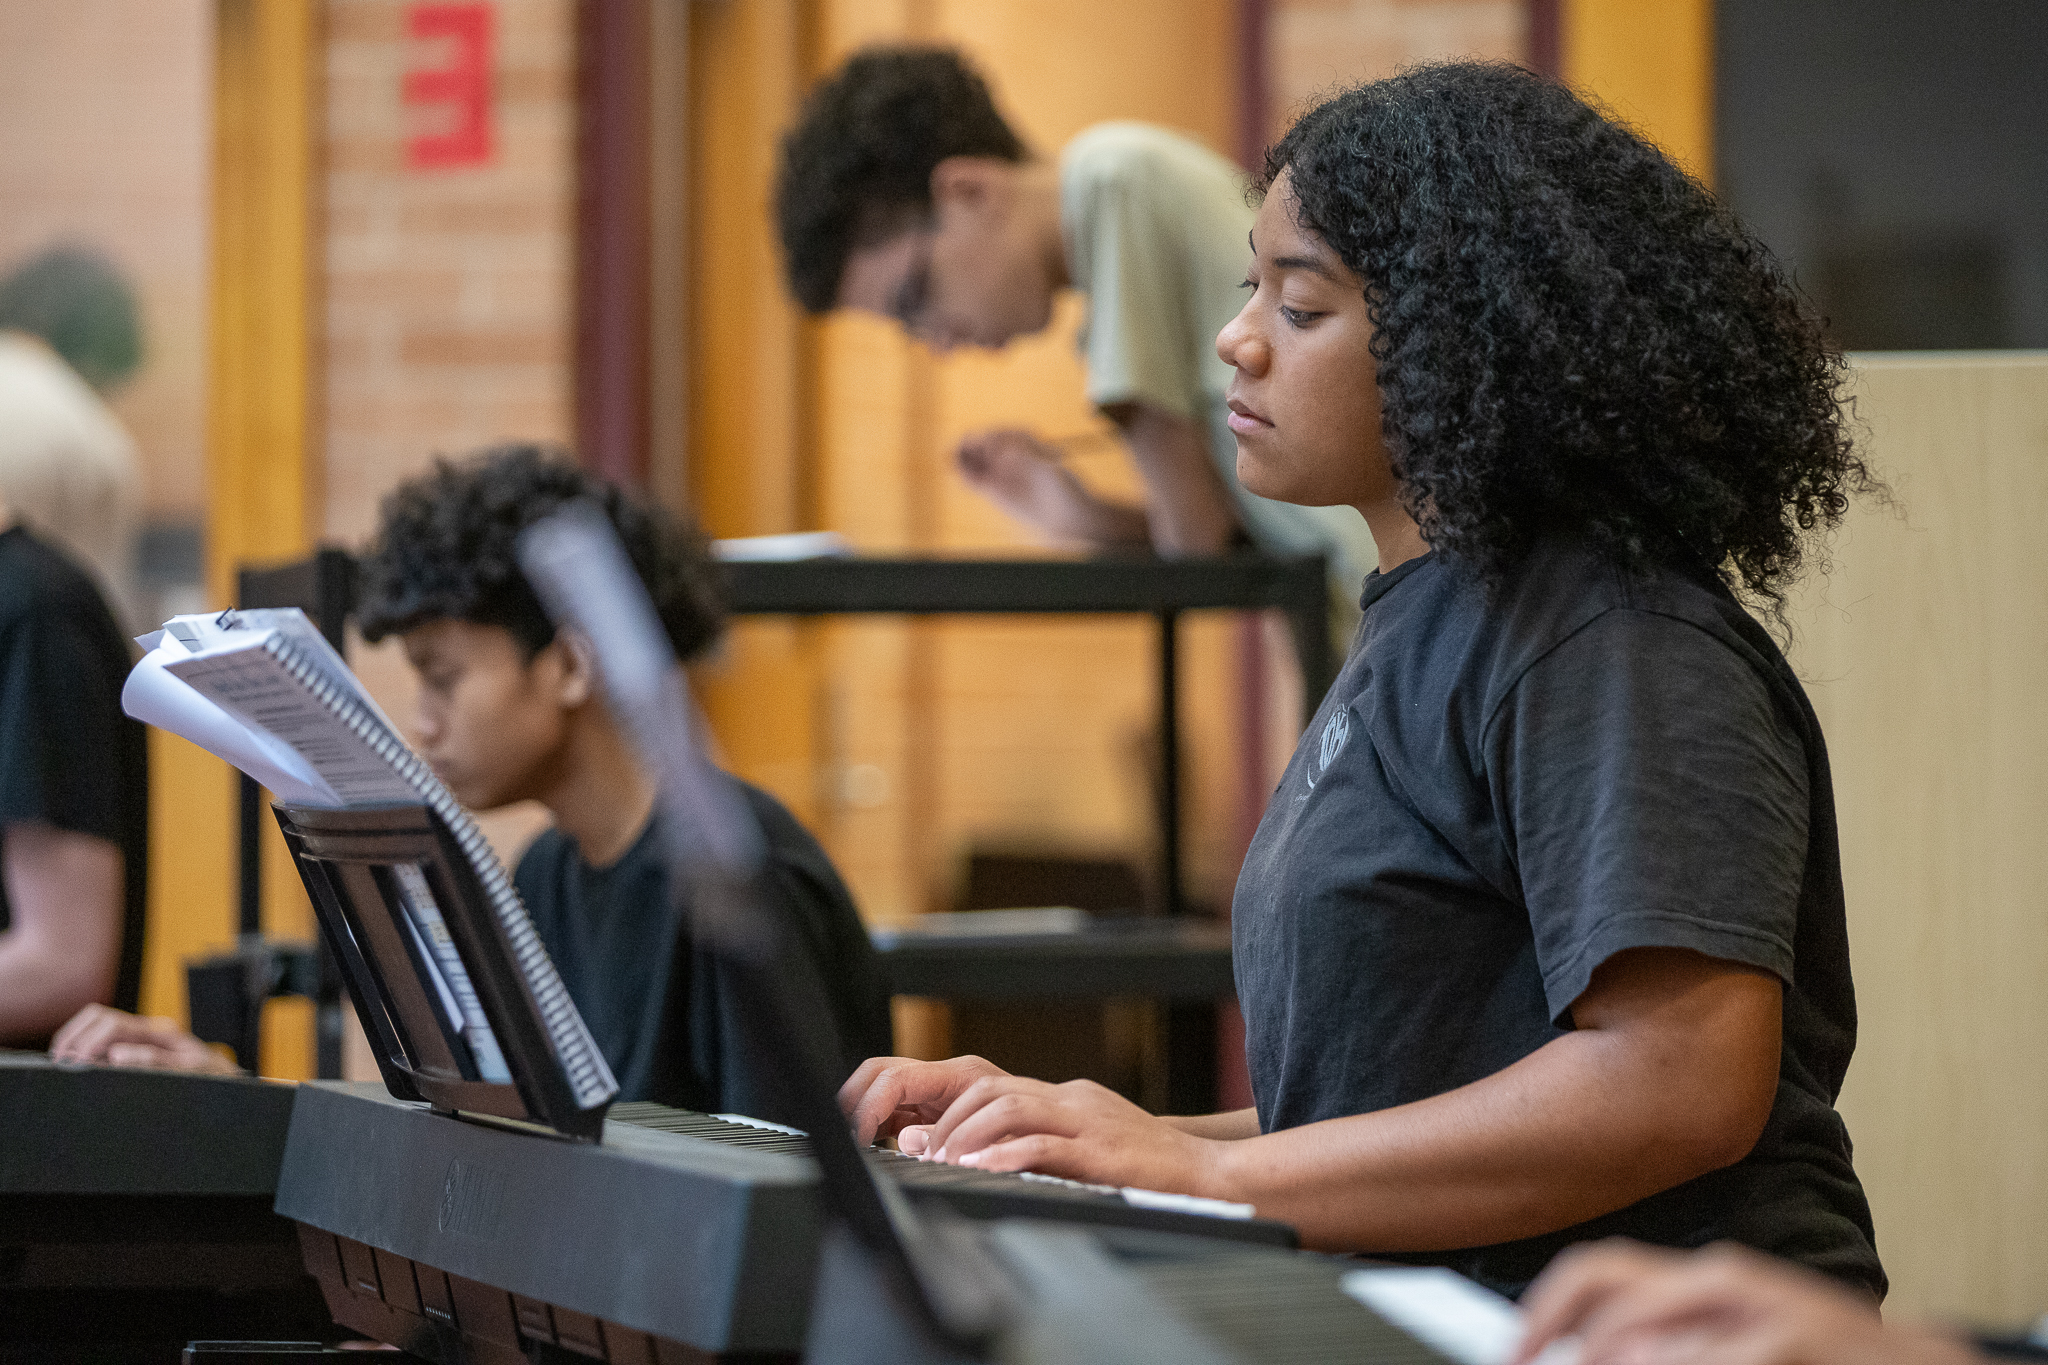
point(578, 669)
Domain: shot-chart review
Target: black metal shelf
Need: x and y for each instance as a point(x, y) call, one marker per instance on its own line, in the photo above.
point(1165, 959)
point(1110, 584)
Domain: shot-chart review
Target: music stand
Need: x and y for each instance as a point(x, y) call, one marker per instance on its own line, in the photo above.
point(462, 1008)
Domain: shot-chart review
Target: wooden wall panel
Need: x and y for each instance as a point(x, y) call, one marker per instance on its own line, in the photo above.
point(752, 389)
point(1926, 655)
point(263, 471)
point(1653, 62)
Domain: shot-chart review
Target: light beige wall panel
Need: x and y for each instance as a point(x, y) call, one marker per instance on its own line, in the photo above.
point(1318, 45)
point(1926, 655)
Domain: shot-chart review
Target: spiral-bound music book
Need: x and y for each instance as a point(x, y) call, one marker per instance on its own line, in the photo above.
point(453, 984)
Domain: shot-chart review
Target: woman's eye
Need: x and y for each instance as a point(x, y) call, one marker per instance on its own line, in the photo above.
point(1296, 318)
point(1247, 283)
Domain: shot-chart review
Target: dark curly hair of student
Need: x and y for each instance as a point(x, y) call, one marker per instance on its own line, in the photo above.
point(1573, 336)
point(856, 168)
point(445, 549)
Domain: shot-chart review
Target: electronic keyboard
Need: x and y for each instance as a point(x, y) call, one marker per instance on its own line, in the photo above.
point(135, 1212)
point(677, 1230)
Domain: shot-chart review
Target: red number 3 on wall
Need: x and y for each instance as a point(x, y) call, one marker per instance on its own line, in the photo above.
point(461, 86)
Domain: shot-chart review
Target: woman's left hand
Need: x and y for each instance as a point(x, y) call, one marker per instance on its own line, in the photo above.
point(1079, 1130)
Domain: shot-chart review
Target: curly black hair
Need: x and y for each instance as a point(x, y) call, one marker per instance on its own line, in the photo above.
point(857, 166)
point(445, 550)
point(1573, 336)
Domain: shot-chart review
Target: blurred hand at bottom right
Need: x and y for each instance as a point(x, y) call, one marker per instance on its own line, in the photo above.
point(1630, 1304)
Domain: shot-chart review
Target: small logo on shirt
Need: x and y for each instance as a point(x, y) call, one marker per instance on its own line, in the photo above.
point(1336, 731)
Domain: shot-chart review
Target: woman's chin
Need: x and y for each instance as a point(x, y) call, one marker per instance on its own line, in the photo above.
point(1255, 478)
point(1278, 489)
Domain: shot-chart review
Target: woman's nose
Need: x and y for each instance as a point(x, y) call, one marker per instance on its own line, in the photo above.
point(1240, 346)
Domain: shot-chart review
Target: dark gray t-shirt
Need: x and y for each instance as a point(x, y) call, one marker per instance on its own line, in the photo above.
point(662, 1010)
point(1498, 795)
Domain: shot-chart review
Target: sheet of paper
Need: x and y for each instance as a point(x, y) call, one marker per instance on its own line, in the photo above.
point(155, 696)
point(451, 977)
point(312, 646)
point(249, 684)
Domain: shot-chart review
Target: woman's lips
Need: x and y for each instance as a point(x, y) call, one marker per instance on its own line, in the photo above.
point(1244, 421)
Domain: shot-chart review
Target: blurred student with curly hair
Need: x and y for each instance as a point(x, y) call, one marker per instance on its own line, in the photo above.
point(1541, 938)
point(509, 710)
point(903, 192)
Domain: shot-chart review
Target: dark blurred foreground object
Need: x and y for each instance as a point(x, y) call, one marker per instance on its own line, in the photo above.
point(135, 1215)
point(268, 1352)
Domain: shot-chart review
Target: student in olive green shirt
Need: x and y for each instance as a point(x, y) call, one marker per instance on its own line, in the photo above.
point(902, 192)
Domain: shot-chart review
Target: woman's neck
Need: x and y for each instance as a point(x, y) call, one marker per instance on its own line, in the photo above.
point(600, 797)
point(1394, 533)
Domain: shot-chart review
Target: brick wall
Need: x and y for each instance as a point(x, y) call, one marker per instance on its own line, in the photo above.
point(449, 291)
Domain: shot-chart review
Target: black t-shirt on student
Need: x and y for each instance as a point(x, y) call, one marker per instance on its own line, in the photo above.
point(1498, 795)
point(68, 756)
point(661, 1011)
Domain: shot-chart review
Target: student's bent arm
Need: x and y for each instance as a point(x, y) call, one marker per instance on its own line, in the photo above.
point(1232, 1126)
point(61, 948)
point(1023, 475)
point(1187, 508)
point(1669, 1074)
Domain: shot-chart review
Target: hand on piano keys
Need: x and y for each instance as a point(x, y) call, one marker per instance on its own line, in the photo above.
point(970, 1112)
point(110, 1037)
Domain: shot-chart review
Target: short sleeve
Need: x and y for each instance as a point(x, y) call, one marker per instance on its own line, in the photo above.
point(1140, 345)
point(1653, 795)
point(60, 729)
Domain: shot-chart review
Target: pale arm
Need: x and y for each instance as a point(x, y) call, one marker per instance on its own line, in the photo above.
point(1187, 509)
point(61, 950)
point(1629, 1304)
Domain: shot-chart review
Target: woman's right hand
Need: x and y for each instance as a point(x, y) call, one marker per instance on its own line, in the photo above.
point(901, 1097)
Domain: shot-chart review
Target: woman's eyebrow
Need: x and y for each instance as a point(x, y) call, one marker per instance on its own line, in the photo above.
point(1314, 265)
